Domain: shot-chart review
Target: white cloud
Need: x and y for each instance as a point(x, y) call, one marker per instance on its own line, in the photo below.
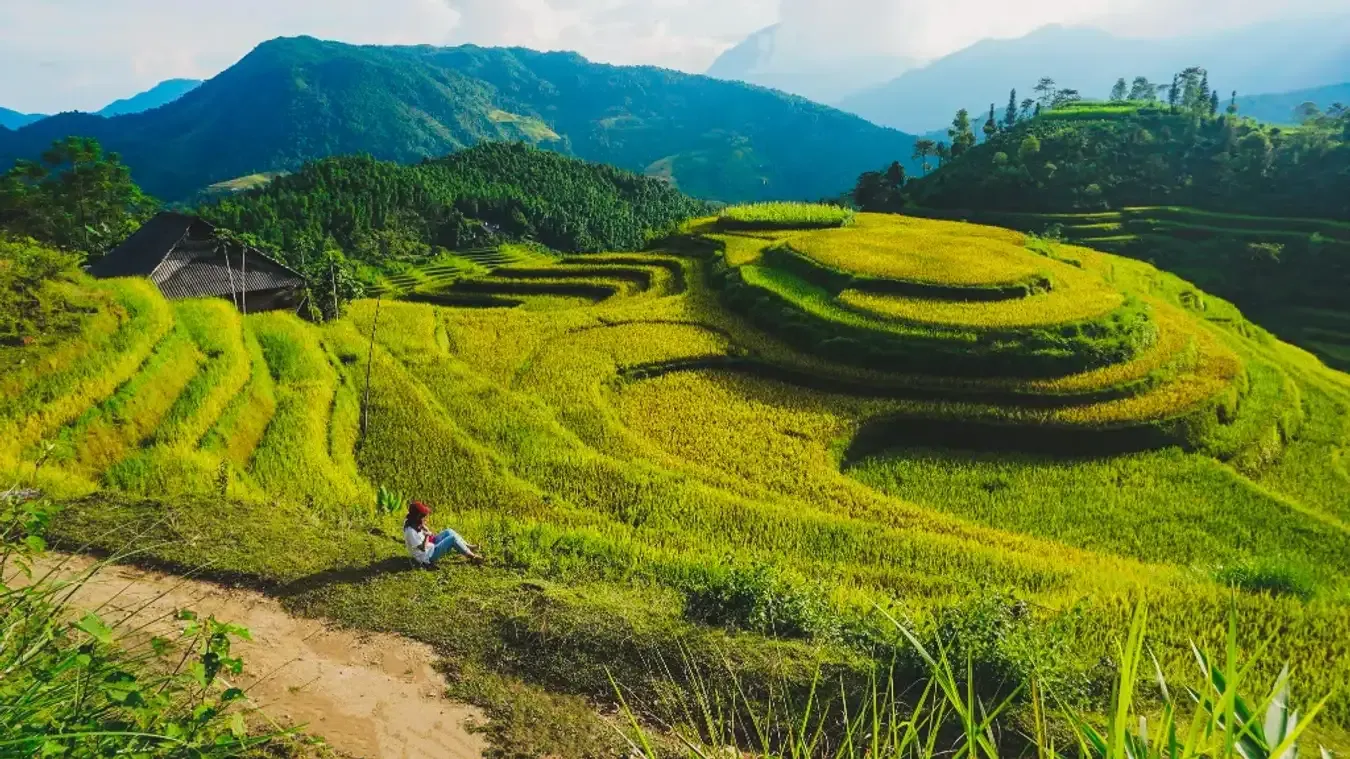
point(825, 29)
point(683, 34)
point(62, 54)
point(84, 53)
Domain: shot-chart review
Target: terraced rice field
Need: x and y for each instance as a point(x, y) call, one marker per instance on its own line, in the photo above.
point(638, 433)
point(1297, 299)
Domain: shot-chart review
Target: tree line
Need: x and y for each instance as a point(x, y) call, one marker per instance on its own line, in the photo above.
point(1149, 144)
point(340, 221)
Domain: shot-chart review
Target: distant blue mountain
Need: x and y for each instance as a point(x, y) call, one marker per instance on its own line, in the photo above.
point(1278, 107)
point(765, 59)
point(13, 119)
point(161, 94)
point(1253, 59)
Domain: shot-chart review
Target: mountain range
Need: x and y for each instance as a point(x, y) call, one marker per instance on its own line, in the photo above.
point(14, 120)
point(161, 94)
point(296, 99)
point(770, 58)
point(1248, 60)
point(1279, 108)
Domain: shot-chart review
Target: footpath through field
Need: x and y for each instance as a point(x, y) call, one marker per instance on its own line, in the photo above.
point(366, 694)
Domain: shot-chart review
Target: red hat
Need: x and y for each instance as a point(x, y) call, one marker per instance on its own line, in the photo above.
point(419, 508)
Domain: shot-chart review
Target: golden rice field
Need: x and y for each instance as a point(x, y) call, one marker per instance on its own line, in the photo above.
point(934, 252)
point(785, 216)
point(628, 439)
point(1066, 304)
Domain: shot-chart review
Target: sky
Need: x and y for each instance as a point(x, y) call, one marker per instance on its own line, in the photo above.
point(82, 54)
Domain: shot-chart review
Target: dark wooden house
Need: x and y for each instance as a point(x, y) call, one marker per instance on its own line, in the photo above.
point(185, 258)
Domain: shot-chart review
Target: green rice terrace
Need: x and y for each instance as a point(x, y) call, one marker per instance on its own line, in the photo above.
point(732, 448)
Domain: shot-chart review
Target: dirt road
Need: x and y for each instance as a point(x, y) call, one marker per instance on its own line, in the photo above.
point(367, 695)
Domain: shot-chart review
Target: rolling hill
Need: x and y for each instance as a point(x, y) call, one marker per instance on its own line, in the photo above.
point(292, 100)
point(1090, 60)
point(381, 212)
point(1094, 156)
point(728, 452)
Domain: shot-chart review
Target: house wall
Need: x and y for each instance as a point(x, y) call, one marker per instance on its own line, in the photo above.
point(284, 299)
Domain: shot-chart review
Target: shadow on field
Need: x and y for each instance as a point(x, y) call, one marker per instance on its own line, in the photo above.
point(344, 576)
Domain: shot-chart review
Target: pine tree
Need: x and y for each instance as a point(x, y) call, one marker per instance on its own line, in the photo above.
point(1214, 103)
point(895, 176)
point(1045, 92)
point(1010, 116)
point(1232, 105)
point(990, 126)
point(922, 149)
point(963, 138)
point(1174, 92)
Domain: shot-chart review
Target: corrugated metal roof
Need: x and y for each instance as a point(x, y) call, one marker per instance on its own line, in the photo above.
point(145, 250)
point(205, 275)
point(184, 258)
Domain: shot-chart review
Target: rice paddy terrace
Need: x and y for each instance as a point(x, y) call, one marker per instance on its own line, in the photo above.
point(1299, 297)
point(866, 411)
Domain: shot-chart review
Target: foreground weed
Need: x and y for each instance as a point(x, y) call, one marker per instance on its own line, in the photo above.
point(716, 717)
point(76, 685)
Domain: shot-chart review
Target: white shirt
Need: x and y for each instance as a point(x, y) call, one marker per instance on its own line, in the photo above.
point(415, 539)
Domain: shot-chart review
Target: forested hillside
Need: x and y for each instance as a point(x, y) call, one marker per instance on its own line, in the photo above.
point(293, 100)
point(379, 211)
point(1094, 156)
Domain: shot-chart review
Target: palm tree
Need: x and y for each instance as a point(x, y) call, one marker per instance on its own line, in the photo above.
point(923, 149)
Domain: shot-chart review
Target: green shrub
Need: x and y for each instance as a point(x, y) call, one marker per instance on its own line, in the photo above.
point(74, 687)
point(35, 300)
point(761, 598)
point(1272, 576)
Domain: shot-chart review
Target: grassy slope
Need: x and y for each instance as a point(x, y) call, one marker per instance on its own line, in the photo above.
point(605, 503)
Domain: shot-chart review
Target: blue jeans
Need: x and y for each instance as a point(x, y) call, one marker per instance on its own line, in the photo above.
point(448, 541)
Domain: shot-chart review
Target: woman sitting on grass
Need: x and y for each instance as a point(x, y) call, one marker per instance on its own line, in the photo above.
point(427, 548)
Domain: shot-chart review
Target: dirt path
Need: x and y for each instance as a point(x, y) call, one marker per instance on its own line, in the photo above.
point(367, 695)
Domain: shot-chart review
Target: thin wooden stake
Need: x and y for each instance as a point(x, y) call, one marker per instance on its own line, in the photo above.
point(243, 280)
point(370, 359)
point(332, 276)
point(233, 297)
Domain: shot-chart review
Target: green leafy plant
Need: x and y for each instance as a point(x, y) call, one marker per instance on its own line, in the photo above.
point(77, 684)
point(390, 501)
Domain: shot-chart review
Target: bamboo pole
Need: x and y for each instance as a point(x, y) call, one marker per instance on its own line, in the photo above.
point(370, 359)
point(243, 280)
point(234, 298)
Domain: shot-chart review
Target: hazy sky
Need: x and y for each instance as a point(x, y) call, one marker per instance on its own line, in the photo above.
point(69, 54)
